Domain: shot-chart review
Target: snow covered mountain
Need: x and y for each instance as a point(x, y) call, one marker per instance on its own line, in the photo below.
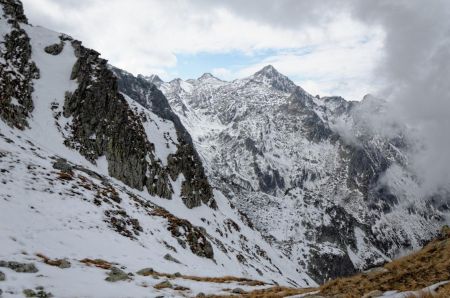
point(312, 174)
point(97, 175)
point(111, 182)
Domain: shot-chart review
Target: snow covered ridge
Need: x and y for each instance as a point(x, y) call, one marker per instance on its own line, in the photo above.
point(92, 173)
point(311, 173)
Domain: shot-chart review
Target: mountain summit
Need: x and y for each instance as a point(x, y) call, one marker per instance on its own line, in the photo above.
point(207, 76)
point(267, 71)
point(270, 76)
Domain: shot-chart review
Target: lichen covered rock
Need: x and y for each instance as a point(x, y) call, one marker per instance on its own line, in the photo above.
point(17, 70)
point(104, 124)
point(19, 267)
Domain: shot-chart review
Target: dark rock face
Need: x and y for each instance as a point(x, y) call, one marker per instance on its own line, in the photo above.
point(315, 129)
point(195, 189)
point(13, 9)
point(103, 124)
point(17, 71)
point(54, 49)
point(325, 266)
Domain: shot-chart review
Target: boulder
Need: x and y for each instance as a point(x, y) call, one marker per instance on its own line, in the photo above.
point(54, 49)
point(168, 257)
point(117, 274)
point(163, 285)
point(19, 267)
point(146, 271)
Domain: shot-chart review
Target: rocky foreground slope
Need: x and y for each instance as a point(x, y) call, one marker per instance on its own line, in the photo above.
point(325, 180)
point(93, 173)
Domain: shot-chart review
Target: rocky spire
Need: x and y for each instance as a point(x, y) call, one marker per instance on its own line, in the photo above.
point(269, 75)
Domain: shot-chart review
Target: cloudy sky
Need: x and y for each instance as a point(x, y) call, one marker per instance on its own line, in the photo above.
point(323, 47)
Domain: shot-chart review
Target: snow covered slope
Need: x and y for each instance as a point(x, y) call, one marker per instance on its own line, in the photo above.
point(311, 173)
point(89, 172)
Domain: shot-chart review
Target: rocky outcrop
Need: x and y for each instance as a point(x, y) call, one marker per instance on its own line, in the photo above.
point(13, 9)
point(19, 267)
point(195, 188)
point(16, 69)
point(187, 234)
point(54, 49)
point(103, 124)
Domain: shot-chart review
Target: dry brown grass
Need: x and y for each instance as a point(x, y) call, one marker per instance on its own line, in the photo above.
point(221, 279)
point(65, 176)
point(410, 273)
point(51, 262)
point(97, 263)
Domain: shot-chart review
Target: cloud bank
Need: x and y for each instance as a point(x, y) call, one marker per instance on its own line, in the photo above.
point(151, 36)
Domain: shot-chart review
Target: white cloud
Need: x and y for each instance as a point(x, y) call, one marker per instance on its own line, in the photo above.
point(144, 36)
point(340, 68)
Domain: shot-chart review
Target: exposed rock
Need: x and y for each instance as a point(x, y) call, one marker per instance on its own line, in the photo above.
point(64, 264)
point(238, 291)
point(17, 70)
point(177, 274)
point(181, 288)
point(376, 270)
point(145, 271)
point(19, 267)
point(14, 10)
point(54, 49)
point(168, 257)
point(2, 276)
point(163, 285)
point(29, 293)
point(62, 165)
point(117, 274)
point(323, 266)
point(184, 231)
point(98, 109)
point(38, 293)
point(121, 222)
point(195, 189)
point(200, 295)
point(445, 232)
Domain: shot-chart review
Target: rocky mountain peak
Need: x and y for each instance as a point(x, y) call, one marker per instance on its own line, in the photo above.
point(270, 76)
point(268, 71)
point(207, 76)
point(153, 78)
